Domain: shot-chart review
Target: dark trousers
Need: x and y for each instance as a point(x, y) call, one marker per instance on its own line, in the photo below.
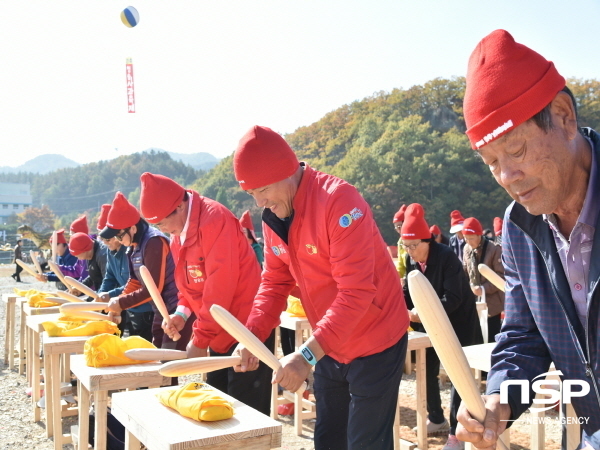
point(162, 340)
point(140, 324)
point(288, 340)
point(252, 388)
point(356, 402)
point(494, 325)
point(434, 401)
point(17, 274)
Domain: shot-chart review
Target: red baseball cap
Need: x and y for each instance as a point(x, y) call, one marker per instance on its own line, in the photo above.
point(122, 215)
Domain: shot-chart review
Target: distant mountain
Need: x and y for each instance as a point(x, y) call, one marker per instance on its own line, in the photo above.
point(199, 161)
point(42, 164)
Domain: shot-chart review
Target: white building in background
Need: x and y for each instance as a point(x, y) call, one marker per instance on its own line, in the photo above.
point(14, 198)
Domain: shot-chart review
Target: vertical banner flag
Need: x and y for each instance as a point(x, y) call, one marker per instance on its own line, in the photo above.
point(130, 92)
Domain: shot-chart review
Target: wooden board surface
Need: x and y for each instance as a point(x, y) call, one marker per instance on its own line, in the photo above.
point(31, 311)
point(35, 322)
point(162, 428)
point(479, 356)
point(53, 345)
point(117, 377)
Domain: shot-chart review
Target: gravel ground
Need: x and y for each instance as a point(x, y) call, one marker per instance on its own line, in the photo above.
point(18, 431)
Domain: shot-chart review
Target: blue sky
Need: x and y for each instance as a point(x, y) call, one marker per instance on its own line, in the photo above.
point(207, 70)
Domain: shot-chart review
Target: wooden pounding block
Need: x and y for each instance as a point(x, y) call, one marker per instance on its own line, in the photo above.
point(492, 276)
point(26, 268)
point(161, 428)
point(198, 365)
point(444, 340)
point(156, 297)
point(98, 381)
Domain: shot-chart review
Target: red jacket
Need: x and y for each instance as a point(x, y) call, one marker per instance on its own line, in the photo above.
point(350, 289)
point(215, 264)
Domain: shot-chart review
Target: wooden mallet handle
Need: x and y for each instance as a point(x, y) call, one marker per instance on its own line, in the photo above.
point(155, 354)
point(35, 262)
point(72, 298)
point(69, 308)
point(62, 301)
point(27, 268)
point(245, 337)
point(158, 300)
point(446, 344)
point(83, 288)
point(54, 249)
point(492, 276)
point(198, 365)
point(54, 267)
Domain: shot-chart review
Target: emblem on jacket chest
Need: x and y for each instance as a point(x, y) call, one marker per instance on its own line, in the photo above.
point(278, 250)
point(311, 249)
point(195, 273)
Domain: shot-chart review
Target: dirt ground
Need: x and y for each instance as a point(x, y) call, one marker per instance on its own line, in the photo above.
point(18, 431)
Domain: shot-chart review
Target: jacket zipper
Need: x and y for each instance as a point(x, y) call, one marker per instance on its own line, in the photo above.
point(588, 369)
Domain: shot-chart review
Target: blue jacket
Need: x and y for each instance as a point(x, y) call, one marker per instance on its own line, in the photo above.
point(541, 324)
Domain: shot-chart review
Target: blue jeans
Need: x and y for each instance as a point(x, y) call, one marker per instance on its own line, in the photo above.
point(356, 402)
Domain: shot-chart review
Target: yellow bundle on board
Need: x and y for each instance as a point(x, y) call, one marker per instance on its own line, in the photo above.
point(295, 308)
point(65, 326)
point(36, 299)
point(197, 401)
point(109, 350)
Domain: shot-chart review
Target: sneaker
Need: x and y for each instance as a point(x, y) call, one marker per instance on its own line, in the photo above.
point(435, 428)
point(453, 444)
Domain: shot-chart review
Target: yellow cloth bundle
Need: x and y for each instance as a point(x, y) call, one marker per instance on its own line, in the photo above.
point(66, 326)
point(197, 401)
point(109, 350)
point(295, 308)
point(36, 299)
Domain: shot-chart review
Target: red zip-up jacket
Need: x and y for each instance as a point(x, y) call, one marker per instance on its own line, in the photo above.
point(215, 264)
point(349, 286)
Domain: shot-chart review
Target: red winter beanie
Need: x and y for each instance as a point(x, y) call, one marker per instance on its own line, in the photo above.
point(80, 243)
point(456, 221)
point(80, 225)
point(472, 226)
point(435, 230)
point(498, 226)
point(507, 84)
point(122, 214)
point(103, 216)
point(262, 158)
point(415, 226)
point(399, 216)
point(160, 196)
point(60, 237)
point(246, 221)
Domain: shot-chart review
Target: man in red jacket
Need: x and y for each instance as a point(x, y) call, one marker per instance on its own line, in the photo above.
point(320, 234)
point(214, 264)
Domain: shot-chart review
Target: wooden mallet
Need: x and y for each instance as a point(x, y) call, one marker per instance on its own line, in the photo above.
point(492, 276)
point(72, 298)
point(54, 245)
point(35, 261)
point(70, 308)
point(446, 344)
point(26, 268)
point(158, 300)
point(155, 354)
point(62, 301)
point(197, 365)
point(54, 267)
point(83, 288)
point(245, 337)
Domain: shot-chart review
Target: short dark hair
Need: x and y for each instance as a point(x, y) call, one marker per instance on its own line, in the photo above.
point(19, 241)
point(543, 119)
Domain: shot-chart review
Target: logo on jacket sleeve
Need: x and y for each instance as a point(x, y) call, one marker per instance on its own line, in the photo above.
point(195, 273)
point(278, 250)
point(347, 219)
point(311, 249)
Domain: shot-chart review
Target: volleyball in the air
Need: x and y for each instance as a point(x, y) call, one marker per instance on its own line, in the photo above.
point(130, 17)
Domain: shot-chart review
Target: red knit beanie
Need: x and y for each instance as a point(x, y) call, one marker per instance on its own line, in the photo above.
point(103, 216)
point(122, 214)
point(507, 84)
point(456, 221)
point(160, 196)
point(399, 216)
point(80, 225)
point(498, 226)
point(60, 237)
point(262, 158)
point(472, 226)
point(435, 230)
point(246, 221)
point(415, 226)
point(80, 243)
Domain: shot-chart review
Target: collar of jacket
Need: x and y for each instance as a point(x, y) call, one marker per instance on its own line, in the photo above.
point(192, 229)
point(540, 233)
point(432, 257)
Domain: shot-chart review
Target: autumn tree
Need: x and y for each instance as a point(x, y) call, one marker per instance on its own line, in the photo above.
point(39, 219)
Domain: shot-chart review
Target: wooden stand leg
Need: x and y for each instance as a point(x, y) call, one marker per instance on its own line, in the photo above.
point(572, 428)
point(274, 402)
point(22, 341)
point(6, 335)
point(33, 368)
point(28, 357)
point(421, 400)
point(408, 363)
point(48, 395)
point(100, 410)
point(10, 330)
point(298, 414)
point(55, 405)
point(131, 442)
point(83, 405)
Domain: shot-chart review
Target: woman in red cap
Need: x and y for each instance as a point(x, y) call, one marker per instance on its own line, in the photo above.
point(147, 247)
point(442, 268)
point(479, 250)
point(248, 228)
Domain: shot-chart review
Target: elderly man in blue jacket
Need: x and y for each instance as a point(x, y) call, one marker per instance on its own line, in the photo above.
point(522, 121)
